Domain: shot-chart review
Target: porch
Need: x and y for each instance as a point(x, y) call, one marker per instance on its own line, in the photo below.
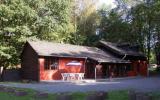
point(108, 70)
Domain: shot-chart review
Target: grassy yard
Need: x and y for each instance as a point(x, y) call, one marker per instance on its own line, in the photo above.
point(29, 96)
point(113, 95)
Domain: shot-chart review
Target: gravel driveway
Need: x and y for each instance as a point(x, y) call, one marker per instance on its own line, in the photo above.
point(146, 84)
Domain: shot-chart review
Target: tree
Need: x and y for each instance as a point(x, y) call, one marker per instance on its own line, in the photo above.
point(145, 24)
point(31, 19)
point(85, 19)
point(114, 28)
point(138, 24)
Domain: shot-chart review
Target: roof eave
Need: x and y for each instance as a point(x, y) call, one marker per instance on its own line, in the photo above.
point(115, 62)
point(61, 56)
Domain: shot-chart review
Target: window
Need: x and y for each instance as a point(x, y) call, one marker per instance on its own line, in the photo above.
point(51, 64)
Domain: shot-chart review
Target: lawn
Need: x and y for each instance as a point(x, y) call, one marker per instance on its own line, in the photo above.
point(30, 96)
point(112, 95)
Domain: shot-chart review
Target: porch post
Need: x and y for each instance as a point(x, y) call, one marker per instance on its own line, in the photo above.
point(85, 66)
point(109, 68)
point(95, 70)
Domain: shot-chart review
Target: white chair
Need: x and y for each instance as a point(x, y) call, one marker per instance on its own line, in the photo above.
point(81, 76)
point(64, 76)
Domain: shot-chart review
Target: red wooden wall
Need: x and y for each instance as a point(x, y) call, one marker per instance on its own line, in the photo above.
point(62, 68)
point(139, 68)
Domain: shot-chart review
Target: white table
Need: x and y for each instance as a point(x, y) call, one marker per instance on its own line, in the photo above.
point(72, 76)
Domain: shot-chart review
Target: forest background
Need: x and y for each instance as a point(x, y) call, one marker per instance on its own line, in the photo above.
point(78, 22)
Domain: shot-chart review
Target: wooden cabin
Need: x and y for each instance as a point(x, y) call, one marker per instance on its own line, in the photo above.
point(41, 60)
point(130, 53)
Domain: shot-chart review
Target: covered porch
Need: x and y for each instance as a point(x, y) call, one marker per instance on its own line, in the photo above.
point(105, 69)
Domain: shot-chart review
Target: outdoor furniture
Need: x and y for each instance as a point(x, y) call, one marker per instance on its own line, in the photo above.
point(72, 76)
point(64, 76)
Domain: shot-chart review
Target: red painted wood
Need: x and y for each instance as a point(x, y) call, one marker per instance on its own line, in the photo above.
point(99, 72)
point(62, 68)
point(142, 65)
point(143, 68)
point(131, 73)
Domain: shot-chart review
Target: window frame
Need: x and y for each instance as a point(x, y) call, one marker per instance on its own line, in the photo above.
point(49, 62)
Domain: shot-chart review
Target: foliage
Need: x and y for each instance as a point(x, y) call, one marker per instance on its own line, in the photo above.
point(114, 29)
point(77, 22)
point(138, 24)
point(153, 58)
point(92, 40)
point(144, 24)
point(85, 19)
point(31, 19)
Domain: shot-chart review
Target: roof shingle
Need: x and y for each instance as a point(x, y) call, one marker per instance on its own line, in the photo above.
point(121, 50)
point(45, 48)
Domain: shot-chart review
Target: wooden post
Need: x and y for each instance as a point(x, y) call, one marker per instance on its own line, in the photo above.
point(99, 68)
point(85, 66)
point(1, 73)
point(1, 70)
point(41, 67)
point(95, 70)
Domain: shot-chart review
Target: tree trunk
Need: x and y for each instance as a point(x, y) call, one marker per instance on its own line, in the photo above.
point(148, 47)
point(1, 73)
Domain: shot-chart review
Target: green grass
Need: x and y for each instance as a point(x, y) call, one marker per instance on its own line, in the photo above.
point(6, 96)
point(29, 96)
point(112, 95)
point(79, 96)
point(118, 95)
point(155, 95)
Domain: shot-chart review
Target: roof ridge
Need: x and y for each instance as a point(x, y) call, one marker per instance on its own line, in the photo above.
point(51, 42)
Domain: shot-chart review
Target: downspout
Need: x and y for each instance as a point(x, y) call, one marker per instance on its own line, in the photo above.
point(124, 57)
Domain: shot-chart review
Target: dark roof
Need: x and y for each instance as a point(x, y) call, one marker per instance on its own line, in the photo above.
point(44, 48)
point(122, 49)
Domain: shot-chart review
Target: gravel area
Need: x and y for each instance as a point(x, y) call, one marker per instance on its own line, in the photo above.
point(143, 84)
